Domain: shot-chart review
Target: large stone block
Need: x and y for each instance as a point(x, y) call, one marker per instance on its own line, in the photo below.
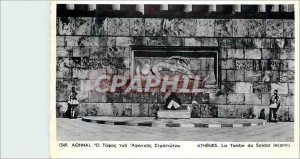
point(72, 40)
point(265, 99)
point(83, 26)
point(153, 109)
point(201, 98)
point(259, 43)
point(60, 41)
point(208, 111)
point(227, 87)
point(271, 64)
point(195, 110)
point(208, 41)
point(274, 28)
point(291, 88)
point(114, 97)
point(288, 65)
point(251, 43)
point(223, 28)
point(235, 75)
point(205, 27)
point(80, 73)
point(115, 51)
point(228, 64)
point(281, 87)
point(224, 75)
point(66, 26)
point(261, 87)
point(64, 68)
point(257, 27)
point(153, 26)
point(290, 43)
point(99, 52)
point(123, 41)
point(67, 84)
point(244, 64)
point(105, 109)
point(111, 41)
point(243, 87)
point(121, 109)
point(194, 64)
point(287, 100)
point(287, 76)
point(83, 96)
point(153, 96)
point(81, 51)
point(185, 98)
point(240, 27)
point(64, 51)
point(63, 72)
point(145, 97)
point(174, 41)
point(253, 99)
point(135, 40)
point(235, 111)
point(127, 53)
point(252, 53)
point(91, 41)
point(136, 97)
point(217, 98)
point(192, 42)
point(179, 27)
point(269, 54)
point(278, 43)
point(118, 26)
point(99, 26)
point(82, 41)
point(139, 109)
point(95, 96)
point(289, 28)
point(261, 112)
point(87, 85)
point(286, 113)
point(286, 54)
point(235, 53)
point(156, 41)
point(236, 98)
point(137, 27)
point(61, 108)
point(252, 76)
point(88, 109)
point(126, 97)
point(227, 42)
point(94, 74)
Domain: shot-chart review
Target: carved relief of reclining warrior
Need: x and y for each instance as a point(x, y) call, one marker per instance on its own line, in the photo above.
point(180, 66)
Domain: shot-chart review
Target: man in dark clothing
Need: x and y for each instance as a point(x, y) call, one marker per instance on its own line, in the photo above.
point(274, 106)
point(72, 104)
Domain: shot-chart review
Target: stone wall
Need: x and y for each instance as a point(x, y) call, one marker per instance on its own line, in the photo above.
point(257, 57)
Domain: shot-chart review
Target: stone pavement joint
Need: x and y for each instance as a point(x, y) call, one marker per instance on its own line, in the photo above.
point(172, 123)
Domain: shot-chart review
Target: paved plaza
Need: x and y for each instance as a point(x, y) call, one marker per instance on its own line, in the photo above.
point(78, 130)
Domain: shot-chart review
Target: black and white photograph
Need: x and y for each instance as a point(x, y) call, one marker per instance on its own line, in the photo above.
point(149, 79)
point(175, 72)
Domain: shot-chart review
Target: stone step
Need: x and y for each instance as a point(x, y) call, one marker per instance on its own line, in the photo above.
point(174, 114)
